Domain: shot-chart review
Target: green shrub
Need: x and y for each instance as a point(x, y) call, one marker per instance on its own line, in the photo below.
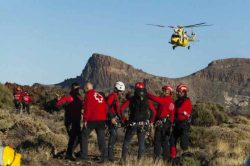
point(202, 116)
point(220, 117)
point(6, 98)
point(208, 114)
point(47, 101)
point(58, 141)
point(201, 137)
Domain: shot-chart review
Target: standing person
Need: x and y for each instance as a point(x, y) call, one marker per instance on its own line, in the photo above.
point(73, 111)
point(18, 98)
point(26, 102)
point(182, 124)
point(140, 119)
point(94, 118)
point(164, 120)
point(114, 116)
point(64, 102)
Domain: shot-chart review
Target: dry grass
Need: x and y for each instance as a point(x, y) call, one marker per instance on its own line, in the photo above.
point(39, 135)
point(31, 135)
point(227, 144)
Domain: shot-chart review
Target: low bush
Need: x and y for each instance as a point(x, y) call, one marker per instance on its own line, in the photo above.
point(208, 114)
point(6, 98)
point(202, 116)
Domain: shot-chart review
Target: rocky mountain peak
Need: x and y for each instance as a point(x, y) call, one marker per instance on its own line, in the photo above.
point(221, 81)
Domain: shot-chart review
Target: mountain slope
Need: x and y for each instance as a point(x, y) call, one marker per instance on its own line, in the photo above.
point(223, 81)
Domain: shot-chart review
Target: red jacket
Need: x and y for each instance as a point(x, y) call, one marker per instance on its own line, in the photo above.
point(166, 107)
point(183, 109)
point(128, 102)
point(73, 105)
point(27, 98)
point(95, 107)
point(113, 104)
point(63, 100)
point(18, 96)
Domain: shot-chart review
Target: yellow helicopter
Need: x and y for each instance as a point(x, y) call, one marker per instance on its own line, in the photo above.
point(180, 37)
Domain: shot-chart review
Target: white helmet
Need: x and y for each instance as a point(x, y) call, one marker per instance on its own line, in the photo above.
point(120, 86)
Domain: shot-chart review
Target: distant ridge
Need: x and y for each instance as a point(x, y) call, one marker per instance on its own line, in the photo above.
point(225, 81)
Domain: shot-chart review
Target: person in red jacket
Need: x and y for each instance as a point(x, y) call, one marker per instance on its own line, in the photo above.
point(26, 102)
point(18, 99)
point(140, 119)
point(73, 110)
point(164, 120)
point(114, 116)
point(182, 120)
point(94, 118)
point(64, 102)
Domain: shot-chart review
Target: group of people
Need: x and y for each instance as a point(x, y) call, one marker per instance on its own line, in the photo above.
point(171, 120)
point(22, 100)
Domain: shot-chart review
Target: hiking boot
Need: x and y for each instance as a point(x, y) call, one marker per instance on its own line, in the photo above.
point(102, 160)
point(70, 157)
point(78, 154)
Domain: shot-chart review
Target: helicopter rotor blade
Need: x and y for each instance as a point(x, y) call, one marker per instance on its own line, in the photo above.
point(161, 26)
point(197, 25)
point(170, 26)
point(200, 26)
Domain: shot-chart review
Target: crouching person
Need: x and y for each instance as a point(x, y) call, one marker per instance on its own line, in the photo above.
point(182, 121)
point(140, 119)
point(94, 118)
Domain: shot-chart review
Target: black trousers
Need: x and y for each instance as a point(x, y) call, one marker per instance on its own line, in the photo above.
point(131, 130)
point(161, 141)
point(68, 123)
point(112, 140)
point(74, 136)
point(99, 127)
point(26, 106)
point(18, 105)
point(181, 131)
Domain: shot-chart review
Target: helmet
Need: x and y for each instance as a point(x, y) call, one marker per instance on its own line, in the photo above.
point(120, 86)
point(182, 88)
point(167, 87)
point(139, 85)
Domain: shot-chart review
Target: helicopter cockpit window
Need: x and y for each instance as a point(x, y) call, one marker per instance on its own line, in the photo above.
point(176, 35)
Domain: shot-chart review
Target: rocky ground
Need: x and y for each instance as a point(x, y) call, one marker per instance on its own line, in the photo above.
point(42, 139)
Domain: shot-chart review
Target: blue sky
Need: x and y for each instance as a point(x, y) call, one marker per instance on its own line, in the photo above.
point(48, 41)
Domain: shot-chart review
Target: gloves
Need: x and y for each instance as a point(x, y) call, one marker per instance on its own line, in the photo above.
point(186, 114)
